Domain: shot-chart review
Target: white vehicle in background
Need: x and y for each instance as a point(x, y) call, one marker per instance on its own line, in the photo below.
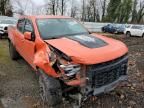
point(4, 23)
point(135, 30)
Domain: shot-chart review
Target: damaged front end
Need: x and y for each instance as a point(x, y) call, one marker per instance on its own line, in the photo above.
point(80, 81)
point(104, 77)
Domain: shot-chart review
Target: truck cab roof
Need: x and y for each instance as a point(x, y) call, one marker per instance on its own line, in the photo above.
point(43, 16)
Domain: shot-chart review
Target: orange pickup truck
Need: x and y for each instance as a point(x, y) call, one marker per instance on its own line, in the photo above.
point(70, 61)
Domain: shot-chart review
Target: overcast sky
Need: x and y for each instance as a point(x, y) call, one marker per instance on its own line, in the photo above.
point(36, 6)
point(38, 2)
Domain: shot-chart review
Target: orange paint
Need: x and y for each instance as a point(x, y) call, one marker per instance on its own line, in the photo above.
point(36, 52)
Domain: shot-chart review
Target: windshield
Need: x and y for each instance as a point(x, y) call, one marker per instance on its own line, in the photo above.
point(8, 22)
point(55, 28)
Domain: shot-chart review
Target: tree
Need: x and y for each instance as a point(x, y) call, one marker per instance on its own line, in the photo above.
point(83, 10)
point(123, 11)
point(62, 6)
point(56, 7)
point(119, 11)
point(91, 12)
point(74, 9)
point(9, 11)
point(103, 5)
point(3, 6)
point(52, 7)
point(138, 12)
point(18, 7)
point(134, 12)
point(111, 10)
point(88, 13)
point(92, 3)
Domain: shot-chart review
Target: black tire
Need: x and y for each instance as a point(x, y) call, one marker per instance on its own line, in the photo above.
point(13, 53)
point(103, 30)
point(143, 35)
point(128, 34)
point(50, 90)
point(0, 36)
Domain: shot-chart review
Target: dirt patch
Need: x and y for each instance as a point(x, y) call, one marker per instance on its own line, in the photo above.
point(19, 82)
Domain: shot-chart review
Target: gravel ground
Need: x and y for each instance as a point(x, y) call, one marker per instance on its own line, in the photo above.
point(19, 85)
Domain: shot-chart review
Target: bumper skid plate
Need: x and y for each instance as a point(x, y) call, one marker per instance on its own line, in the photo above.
point(107, 88)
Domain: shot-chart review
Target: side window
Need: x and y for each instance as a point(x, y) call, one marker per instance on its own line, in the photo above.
point(139, 27)
point(28, 26)
point(136, 27)
point(20, 25)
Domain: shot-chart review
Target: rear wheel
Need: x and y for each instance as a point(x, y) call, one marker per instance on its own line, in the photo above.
point(13, 53)
point(50, 90)
point(128, 34)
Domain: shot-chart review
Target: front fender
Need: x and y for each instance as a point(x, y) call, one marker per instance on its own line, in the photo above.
point(41, 58)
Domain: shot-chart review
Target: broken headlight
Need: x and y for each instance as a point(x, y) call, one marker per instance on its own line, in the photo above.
point(71, 69)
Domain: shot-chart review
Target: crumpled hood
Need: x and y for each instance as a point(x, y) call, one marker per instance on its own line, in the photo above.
point(82, 51)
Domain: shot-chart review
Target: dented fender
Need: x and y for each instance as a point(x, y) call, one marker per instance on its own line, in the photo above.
point(41, 59)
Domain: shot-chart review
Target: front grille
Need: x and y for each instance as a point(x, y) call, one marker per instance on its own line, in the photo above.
point(106, 73)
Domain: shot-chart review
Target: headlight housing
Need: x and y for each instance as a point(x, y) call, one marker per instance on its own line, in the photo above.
point(52, 58)
point(71, 69)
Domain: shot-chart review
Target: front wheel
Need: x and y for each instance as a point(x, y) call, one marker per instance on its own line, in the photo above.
point(103, 30)
point(0, 36)
point(13, 53)
point(128, 34)
point(143, 35)
point(50, 89)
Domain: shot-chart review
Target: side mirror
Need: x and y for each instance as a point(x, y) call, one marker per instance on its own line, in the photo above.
point(28, 35)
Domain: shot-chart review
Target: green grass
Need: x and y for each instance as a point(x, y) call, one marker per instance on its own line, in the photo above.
point(4, 53)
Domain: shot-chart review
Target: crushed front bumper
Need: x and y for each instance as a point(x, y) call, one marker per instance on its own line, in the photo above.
point(107, 88)
point(104, 77)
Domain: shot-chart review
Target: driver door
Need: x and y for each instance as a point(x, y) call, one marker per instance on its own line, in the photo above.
point(29, 45)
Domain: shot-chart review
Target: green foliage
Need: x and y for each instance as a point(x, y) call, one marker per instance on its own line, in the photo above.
point(119, 11)
point(111, 10)
point(137, 14)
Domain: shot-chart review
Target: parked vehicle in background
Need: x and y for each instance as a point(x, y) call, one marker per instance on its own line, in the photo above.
point(120, 28)
point(4, 23)
point(3, 17)
point(114, 28)
point(110, 28)
point(135, 30)
point(70, 61)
